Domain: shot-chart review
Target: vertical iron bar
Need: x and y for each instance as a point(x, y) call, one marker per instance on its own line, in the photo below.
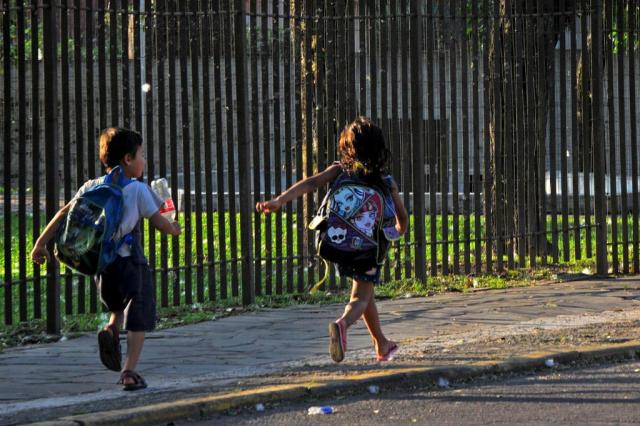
point(256, 144)
point(208, 152)
point(587, 142)
point(574, 134)
point(287, 142)
point(172, 36)
point(124, 66)
point(300, 250)
point(431, 139)
point(231, 146)
point(633, 33)
point(22, 158)
point(466, 161)
point(161, 53)
point(248, 288)
point(113, 61)
point(277, 136)
point(6, 38)
point(477, 206)
point(418, 138)
point(497, 147)
point(266, 138)
point(564, 168)
point(196, 117)
point(35, 149)
point(598, 145)
point(613, 204)
point(187, 123)
point(489, 230)
point(66, 138)
point(453, 111)
point(50, 36)
point(218, 31)
point(622, 120)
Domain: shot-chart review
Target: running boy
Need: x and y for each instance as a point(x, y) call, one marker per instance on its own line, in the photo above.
point(363, 156)
point(125, 285)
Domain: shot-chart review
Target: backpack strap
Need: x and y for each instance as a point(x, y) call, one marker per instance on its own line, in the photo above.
point(117, 173)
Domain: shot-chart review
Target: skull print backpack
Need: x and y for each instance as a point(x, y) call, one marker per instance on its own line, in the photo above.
point(351, 225)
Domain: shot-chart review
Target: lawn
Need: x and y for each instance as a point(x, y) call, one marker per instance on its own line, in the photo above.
point(207, 273)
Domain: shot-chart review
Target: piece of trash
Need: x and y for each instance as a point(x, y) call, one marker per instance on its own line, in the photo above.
point(476, 284)
point(374, 389)
point(637, 370)
point(146, 87)
point(443, 383)
point(376, 411)
point(327, 409)
point(64, 338)
point(259, 407)
point(229, 309)
point(549, 362)
point(586, 271)
point(408, 295)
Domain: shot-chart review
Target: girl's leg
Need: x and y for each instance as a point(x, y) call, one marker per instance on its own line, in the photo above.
point(372, 321)
point(361, 295)
point(135, 342)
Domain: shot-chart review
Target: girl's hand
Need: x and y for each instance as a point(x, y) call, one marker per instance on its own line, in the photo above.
point(40, 254)
point(268, 206)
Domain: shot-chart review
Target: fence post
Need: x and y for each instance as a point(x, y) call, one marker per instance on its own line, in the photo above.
point(51, 152)
point(598, 141)
point(246, 209)
point(418, 139)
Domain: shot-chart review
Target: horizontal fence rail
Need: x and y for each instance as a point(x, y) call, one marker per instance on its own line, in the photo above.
point(512, 127)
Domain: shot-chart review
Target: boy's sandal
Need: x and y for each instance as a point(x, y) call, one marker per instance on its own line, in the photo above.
point(337, 340)
point(109, 347)
point(389, 355)
point(138, 381)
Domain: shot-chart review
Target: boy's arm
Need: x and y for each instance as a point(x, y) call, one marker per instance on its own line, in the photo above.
point(402, 217)
point(161, 223)
point(300, 188)
point(39, 253)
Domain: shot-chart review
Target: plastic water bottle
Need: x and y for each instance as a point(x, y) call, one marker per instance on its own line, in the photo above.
point(327, 409)
point(161, 188)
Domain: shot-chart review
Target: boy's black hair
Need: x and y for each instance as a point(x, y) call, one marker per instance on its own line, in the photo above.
point(115, 143)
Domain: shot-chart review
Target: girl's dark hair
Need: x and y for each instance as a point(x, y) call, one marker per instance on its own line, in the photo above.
point(115, 143)
point(363, 152)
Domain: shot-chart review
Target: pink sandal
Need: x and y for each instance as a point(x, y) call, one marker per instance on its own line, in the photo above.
point(337, 340)
point(389, 355)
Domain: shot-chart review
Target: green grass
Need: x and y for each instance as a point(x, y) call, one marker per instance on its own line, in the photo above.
point(400, 268)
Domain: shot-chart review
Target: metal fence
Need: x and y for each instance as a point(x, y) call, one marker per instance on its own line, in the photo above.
point(512, 126)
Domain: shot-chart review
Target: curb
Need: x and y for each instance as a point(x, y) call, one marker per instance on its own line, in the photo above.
point(199, 407)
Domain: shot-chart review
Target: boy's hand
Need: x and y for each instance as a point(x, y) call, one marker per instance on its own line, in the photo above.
point(268, 206)
point(177, 230)
point(40, 254)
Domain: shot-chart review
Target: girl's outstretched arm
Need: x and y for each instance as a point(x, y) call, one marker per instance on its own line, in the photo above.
point(300, 188)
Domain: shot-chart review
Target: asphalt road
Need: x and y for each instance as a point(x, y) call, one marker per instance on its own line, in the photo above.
point(597, 395)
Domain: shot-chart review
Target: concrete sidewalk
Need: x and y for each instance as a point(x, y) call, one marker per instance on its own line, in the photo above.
point(54, 378)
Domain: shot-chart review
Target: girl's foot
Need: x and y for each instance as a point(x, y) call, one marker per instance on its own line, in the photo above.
point(337, 340)
point(388, 352)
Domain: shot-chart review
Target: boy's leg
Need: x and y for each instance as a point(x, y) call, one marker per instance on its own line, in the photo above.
point(116, 319)
point(135, 342)
point(361, 295)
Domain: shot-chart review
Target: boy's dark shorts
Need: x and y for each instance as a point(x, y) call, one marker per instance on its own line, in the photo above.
point(127, 281)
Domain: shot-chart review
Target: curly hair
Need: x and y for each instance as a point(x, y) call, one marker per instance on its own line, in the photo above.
point(363, 151)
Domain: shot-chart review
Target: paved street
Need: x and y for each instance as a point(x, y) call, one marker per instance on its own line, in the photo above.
point(218, 353)
point(601, 395)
